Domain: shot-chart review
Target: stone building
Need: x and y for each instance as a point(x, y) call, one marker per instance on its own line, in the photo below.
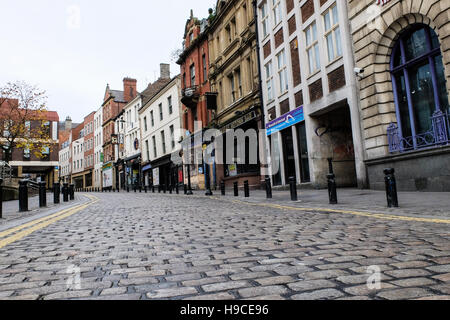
point(309, 92)
point(403, 51)
point(233, 75)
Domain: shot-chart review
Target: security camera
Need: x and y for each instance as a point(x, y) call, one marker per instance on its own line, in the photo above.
point(359, 71)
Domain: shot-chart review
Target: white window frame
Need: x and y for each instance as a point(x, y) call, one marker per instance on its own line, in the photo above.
point(268, 68)
point(265, 19)
point(282, 72)
point(312, 48)
point(333, 32)
point(276, 9)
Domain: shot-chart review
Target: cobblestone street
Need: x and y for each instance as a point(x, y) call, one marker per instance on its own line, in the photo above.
point(161, 246)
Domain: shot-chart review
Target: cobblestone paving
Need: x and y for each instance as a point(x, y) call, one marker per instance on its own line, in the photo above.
point(161, 246)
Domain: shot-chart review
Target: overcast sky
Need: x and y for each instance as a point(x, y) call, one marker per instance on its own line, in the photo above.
point(73, 48)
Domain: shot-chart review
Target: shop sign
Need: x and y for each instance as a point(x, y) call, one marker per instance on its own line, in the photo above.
point(232, 169)
point(107, 175)
point(285, 121)
point(239, 122)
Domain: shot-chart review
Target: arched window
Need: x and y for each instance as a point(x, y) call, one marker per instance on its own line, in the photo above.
point(420, 91)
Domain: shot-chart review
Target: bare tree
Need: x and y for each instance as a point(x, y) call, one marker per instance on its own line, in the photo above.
point(23, 120)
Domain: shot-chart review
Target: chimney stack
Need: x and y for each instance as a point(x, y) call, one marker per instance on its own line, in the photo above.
point(165, 71)
point(129, 89)
point(68, 124)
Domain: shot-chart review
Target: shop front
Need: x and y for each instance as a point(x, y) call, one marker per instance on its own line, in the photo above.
point(289, 148)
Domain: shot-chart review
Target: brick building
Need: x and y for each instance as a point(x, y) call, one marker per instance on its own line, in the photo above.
point(195, 116)
point(113, 103)
point(403, 50)
point(309, 91)
point(25, 162)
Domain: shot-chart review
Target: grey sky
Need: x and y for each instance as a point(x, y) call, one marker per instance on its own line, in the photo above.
point(44, 43)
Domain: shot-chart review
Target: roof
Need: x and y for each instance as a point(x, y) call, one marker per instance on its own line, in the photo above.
point(153, 89)
point(118, 95)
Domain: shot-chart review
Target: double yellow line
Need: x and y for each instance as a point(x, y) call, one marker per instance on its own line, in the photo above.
point(35, 225)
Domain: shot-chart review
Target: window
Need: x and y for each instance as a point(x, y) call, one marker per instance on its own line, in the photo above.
point(312, 48)
point(152, 118)
point(332, 33)
point(147, 149)
point(191, 37)
point(420, 93)
point(239, 82)
point(204, 68)
point(264, 20)
point(232, 87)
point(163, 142)
point(172, 137)
point(282, 71)
point(228, 33)
point(269, 81)
point(145, 124)
point(169, 102)
point(160, 112)
point(276, 11)
point(192, 71)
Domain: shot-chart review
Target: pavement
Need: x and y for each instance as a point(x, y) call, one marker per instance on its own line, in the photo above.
point(144, 246)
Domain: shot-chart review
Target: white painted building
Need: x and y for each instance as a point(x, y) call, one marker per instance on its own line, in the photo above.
point(131, 141)
point(78, 164)
point(98, 148)
point(161, 132)
point(310, 94)
point(65, 163)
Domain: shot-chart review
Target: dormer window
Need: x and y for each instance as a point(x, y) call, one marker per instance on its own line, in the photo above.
point(191, 37)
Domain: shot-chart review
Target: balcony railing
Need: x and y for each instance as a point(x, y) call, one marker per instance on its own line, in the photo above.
point(439, 134)
point(189, 96)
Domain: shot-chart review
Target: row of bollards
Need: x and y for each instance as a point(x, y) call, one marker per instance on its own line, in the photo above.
point(67, 191)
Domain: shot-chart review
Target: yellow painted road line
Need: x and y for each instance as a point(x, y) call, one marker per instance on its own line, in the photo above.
point(355, 213)
point(31, 223)
point(40, 225)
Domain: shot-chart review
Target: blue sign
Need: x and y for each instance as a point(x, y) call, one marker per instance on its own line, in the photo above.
point(287, 120)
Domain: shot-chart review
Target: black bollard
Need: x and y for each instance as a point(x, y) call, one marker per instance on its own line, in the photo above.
point(145, 189)
point(268, 188)
point(65, 192)
point(1, 198)
point(185, 188)
point(170, 189)
point(140, 189)
point(23, 196)
point(56, 198)
point(72, 192)
point(42, 195)
point(246, 189)
point(153, 188)
point(332, 189)
point(177, 188)
point(222, 188)
point(391, 188)
point(208, 181)
point(293, 186)
point(236, 189)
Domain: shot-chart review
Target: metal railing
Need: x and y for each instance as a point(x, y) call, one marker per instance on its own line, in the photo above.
point(439, 134)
